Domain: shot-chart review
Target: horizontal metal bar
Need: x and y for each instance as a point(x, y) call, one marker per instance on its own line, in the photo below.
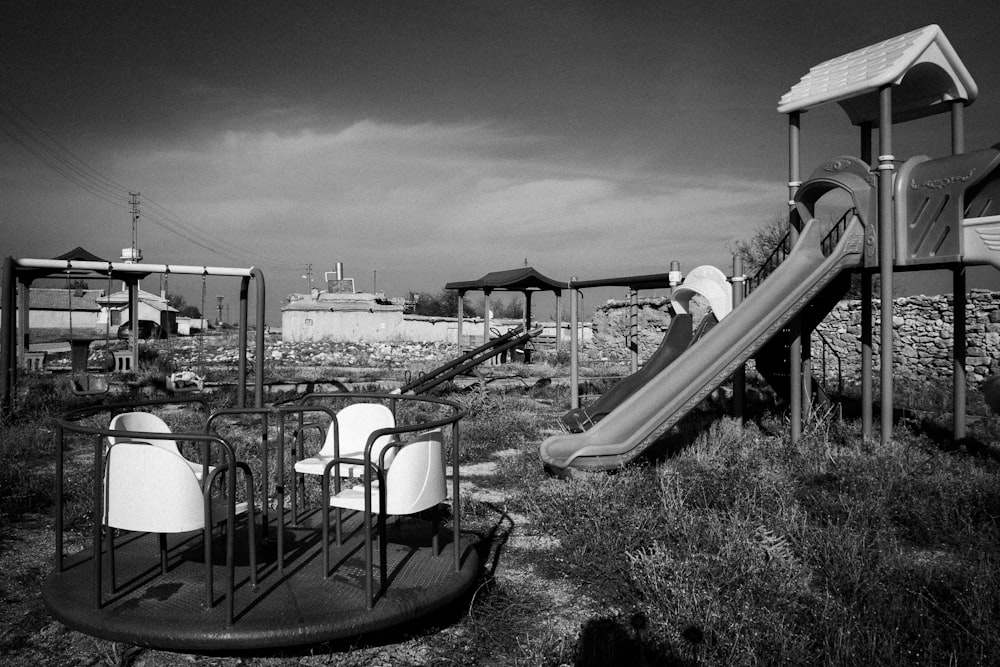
point(123, 267)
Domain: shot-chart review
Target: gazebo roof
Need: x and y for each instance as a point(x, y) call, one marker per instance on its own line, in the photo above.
point(923, 68)
point(79, 254)
point(515, 280)
point(648, 281)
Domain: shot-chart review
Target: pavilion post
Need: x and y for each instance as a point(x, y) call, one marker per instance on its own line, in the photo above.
point(527, 324)
point(461, 316)
point(486, 316)
point(558, 322)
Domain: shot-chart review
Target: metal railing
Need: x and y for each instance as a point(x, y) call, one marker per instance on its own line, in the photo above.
point(784, 247)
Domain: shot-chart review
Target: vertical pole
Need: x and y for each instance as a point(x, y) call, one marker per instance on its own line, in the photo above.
point(527, 325)
point(574, 346)
point(558, 322)
point(885, 169)
point(244, 342)
point(461, 316)
point(133, 312)
point(24, 316)
point(740, 375)
point(867, 393)
point(959, 298)
point(7, 336)
point(795, 349)
point(258, 277)
point(633, 328)
point(486, 316)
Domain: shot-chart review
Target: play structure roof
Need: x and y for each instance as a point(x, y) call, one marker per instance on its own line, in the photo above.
point(514, 280)
point(921, 65)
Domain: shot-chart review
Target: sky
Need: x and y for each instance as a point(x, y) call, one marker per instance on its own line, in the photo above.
point(424, 142)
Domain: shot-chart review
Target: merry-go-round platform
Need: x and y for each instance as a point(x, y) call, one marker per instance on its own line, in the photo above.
point(295, 608)
point(211, 567)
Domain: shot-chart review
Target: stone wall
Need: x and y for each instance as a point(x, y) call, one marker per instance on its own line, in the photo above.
point(922, 336)
point(923, 329)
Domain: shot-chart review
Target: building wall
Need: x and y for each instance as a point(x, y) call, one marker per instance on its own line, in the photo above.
point(346, 326)
point(341, 325)
point(60, 319)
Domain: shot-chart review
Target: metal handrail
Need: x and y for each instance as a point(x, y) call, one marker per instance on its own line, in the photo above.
point(826, 345)
point(784, 247)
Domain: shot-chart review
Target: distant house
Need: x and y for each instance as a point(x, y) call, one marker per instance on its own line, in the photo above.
point(61, 308)
point(340, 316)
point(152, 308)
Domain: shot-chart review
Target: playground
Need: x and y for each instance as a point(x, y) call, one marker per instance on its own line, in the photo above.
point(789, 523)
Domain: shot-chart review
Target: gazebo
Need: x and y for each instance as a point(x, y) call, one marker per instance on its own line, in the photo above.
point(525, 280)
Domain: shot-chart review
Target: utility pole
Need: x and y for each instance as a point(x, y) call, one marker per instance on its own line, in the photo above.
point(134, 201)
point(309, 277)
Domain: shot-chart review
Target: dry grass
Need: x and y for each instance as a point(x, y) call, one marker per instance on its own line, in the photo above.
point(739, 549)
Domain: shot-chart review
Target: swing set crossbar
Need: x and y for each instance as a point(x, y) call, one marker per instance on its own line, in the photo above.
point(123, 267)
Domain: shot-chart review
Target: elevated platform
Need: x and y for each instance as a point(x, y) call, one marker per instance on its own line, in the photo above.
point(298, 607)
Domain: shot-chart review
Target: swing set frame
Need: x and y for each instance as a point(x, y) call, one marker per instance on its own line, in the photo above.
point(24, 271)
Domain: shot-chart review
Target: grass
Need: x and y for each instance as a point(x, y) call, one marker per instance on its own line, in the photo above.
point(740, 548)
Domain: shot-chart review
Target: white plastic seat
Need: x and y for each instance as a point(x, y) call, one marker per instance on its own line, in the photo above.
point(146, 422)
point(415, 482)
point(150, 489)
point(348, 438)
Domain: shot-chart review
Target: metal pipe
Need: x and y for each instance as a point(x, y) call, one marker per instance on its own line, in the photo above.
point(885, 217)
point(867, 393)
point(258, 276)
point(241, 366)
point(795, 348)
point(740, 374)
point(960, 386)
point(461, 316)
point(122, 267)
point(8, 374)
point(574, 346)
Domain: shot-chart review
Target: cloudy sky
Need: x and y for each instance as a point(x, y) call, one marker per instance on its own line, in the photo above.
point(422, 142)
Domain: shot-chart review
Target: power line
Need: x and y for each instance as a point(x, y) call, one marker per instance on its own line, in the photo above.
point(22, 130)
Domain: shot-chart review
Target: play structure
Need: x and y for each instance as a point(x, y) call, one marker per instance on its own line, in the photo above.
point(848, 216)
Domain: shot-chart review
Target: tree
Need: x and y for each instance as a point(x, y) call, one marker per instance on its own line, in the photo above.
point(442, 304)
point(758, 248)
point(183, 309)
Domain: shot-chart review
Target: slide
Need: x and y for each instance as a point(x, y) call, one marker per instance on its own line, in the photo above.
point(706, 282)
point(659, 404)
point(677, 339)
